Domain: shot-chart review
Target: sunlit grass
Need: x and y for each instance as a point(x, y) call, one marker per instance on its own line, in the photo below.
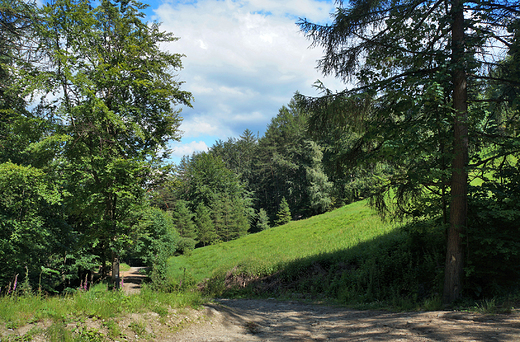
point(16, 311)
point(337, 230)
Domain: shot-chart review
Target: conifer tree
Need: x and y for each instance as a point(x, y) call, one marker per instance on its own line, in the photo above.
point(205, 228)
point(284, 213)
point(262, 222)
point(417, 66)
point(182, 218)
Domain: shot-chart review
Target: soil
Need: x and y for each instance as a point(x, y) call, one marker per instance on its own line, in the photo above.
point(273, 320)
point(132, 279)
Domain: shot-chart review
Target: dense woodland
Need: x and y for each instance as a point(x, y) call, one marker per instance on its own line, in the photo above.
point(428, 131)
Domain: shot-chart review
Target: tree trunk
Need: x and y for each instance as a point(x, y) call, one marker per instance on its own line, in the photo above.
point(459, 179)
point(115, 271)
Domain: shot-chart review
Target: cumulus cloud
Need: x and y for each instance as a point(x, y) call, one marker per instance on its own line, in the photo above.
point(187, 149)
point(244, 60)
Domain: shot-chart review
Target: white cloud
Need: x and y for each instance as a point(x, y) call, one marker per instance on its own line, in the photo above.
point(187, 149)
point(244, 60)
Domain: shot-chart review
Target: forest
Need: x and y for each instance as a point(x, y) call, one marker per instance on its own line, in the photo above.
point(428, 133)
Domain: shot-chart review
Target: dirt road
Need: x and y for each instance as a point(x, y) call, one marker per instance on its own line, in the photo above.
point(270, 320)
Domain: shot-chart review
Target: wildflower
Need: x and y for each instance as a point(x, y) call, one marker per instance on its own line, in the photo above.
point(15, 282)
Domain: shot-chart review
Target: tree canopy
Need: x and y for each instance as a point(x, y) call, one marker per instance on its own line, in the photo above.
point(417, 69)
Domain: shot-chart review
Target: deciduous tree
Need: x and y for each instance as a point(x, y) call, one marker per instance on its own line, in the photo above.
point(115, 97)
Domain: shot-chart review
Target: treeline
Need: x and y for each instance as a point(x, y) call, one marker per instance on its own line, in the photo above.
point(251, 183)
point(88, 105)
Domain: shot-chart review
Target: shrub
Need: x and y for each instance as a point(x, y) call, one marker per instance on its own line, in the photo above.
point(186, 245)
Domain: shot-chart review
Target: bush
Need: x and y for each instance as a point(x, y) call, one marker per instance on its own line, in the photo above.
point(186, 245)
point(156, 236)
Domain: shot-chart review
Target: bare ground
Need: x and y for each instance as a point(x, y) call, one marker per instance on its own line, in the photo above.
point(271, 320)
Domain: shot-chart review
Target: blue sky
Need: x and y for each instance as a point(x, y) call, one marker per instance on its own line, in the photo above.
point(244, 61)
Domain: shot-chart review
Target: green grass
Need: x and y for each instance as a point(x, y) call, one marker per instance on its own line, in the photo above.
point(334, 231)
point(98, 303)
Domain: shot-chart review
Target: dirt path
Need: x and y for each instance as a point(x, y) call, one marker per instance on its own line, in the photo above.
point(270, 320)
point(132, 280)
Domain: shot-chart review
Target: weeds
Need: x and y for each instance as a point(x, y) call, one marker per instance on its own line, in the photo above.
point(97, 304)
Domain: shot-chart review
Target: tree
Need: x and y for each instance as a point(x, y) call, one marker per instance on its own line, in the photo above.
point(182, 219)
point(238, 154)
point(413, 62)
point(18, 126)
point(319, 187)
point(262, 222)
point(29, 210)
point(156, 235)
point(284, 213)
point(116, 104)
point(204, 179)
point(288, 163)
point(205, 228)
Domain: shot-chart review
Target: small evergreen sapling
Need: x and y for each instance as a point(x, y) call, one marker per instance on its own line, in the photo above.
point(284, 213)
point(262, 222)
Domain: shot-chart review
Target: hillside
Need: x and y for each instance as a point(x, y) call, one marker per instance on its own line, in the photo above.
point(336, 230)
point(348, 254)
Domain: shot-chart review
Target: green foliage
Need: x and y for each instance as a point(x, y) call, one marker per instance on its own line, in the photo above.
point(204, 180)
point(186, 245)
point(182, 219)
point(284, 213)
point(116, 107)
point(493, 242)
point(205, 228)
point(31, 230)
point(262, 222)
point(238, 154)
point(156, 235)
point(417, 101)
point(319, 188)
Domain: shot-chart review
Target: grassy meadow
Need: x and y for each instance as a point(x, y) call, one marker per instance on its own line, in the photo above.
point(348, 255)
point(334, 231)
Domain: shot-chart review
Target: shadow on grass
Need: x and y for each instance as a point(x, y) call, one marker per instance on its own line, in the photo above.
point(401, 268)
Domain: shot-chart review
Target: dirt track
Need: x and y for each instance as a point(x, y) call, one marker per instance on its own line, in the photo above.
point(277, 321)
point(270, 320)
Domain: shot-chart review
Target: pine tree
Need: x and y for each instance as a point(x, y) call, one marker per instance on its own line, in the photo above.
point(182, 218)
point(284, 213)
point(205, 228)
point(262, 222)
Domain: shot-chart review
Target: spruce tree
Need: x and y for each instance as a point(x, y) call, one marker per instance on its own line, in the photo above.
point(262, 222)
point(182, 218)
point(284, 213)
point(205, 228)
point(416, 67)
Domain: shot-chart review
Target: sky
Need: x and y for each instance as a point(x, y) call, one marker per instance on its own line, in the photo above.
point(243, 61)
